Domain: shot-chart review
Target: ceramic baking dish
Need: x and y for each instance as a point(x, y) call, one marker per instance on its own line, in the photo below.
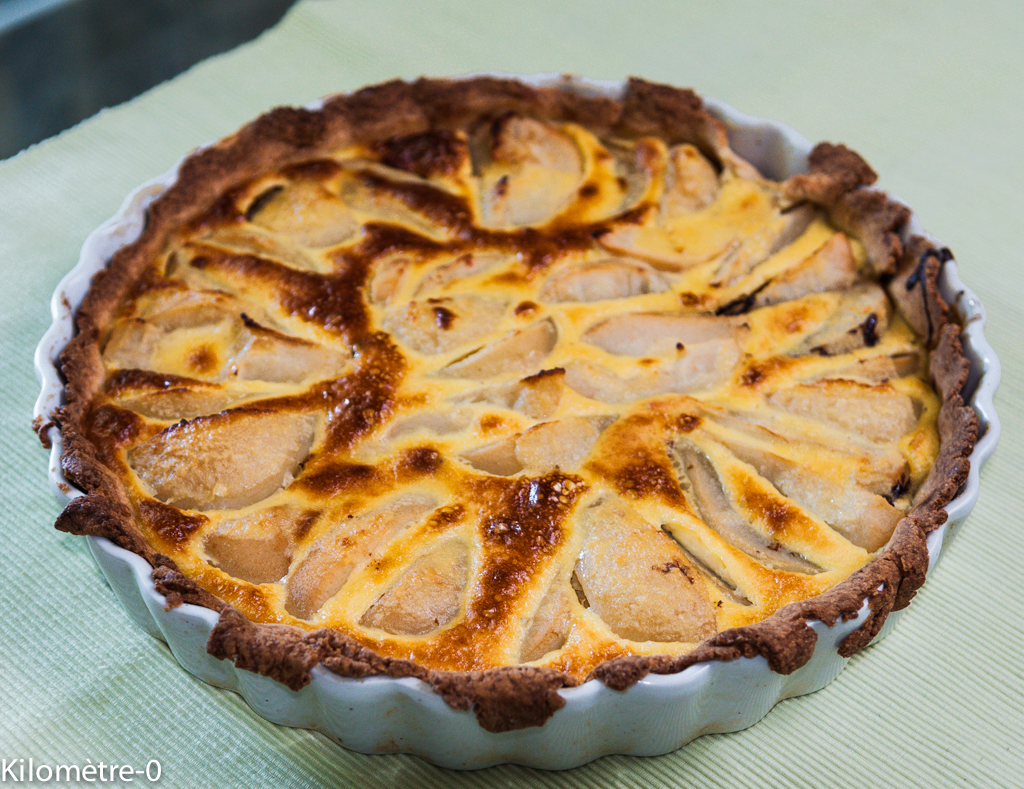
point(658, 714)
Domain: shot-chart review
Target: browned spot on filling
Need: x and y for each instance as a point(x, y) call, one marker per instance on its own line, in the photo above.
point(869, 328)
point(443, 517)
point(334, 478)
point(491, 422)
point(443, 318)
point(122, 381)
point(202, 358)
point(645, 477)
point(110, 425)
point(759, 372)
point(752, 376)
point(169, 523)
point(522, 522)
point(435, 152)
point(312, 170)
point(304, 523)
point(589, 191)
point(675, 564)
point(688, 422)
point(440, 207)
point(526, 308)
point(689, 299)
point(797, 318)
point(419, 461)
point(775, 514)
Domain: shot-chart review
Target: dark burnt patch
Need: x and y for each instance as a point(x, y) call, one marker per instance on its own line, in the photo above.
point(869, 329)
point(127, 381)
point(339, 477)
point(752, 376)
point(329, 300)
point(540, 250)
point(440, 207)
point(644, 475)
point(114, 427)
point(312, 170)
point(554, 371)
point(381, 239)
point(169, 523)
point(443, 318)
point(222, 212)
point(419, 462)
point(687, 422)
point(363, 400)
point(438, 152)
point(444, 517)
point(775, 514)
point(522, 523)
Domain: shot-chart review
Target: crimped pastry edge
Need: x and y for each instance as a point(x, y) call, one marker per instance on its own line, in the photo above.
point(514, 697)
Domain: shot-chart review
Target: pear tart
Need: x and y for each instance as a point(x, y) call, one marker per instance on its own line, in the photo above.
point(507, 388)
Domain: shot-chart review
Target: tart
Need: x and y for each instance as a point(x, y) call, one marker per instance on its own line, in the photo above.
point(507, 388)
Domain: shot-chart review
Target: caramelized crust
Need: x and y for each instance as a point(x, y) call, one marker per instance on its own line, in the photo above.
point(449, 377)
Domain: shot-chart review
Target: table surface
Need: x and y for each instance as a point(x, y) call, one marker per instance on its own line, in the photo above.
point(931, 94)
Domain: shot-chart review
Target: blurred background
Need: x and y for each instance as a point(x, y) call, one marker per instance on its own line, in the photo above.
point(64, 60)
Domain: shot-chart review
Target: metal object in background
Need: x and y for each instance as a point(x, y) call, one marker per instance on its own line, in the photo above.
point(64, 60)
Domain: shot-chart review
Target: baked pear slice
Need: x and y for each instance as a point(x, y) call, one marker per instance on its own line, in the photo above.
point(427, 596)
point(878, 412)
point(306, 213)
point(638, 581)
point(533, 173)
point(654, 334)
point(256, 547)
point(197, 464)
point(350, 543)
point(550, 624)
point(520, 351)
point(693, 368)
point(611, 278)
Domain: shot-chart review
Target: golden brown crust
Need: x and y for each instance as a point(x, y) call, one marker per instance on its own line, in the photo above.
point(837, 179)
point(179, 590)
point(513, 697)
point(832, 171)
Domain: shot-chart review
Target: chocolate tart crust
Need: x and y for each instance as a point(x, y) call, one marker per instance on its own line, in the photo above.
point(508, 698)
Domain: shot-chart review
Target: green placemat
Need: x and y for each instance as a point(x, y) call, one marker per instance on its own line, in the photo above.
point(930, 94)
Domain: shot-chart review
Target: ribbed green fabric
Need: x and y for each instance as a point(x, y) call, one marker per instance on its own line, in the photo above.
point(929, 93)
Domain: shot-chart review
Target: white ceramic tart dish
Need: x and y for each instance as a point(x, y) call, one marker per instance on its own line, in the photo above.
point(515, 420)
